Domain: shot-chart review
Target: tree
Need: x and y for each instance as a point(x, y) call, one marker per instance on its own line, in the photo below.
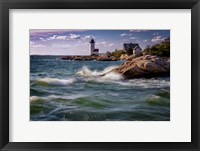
point(162, 49)
point(129, 51)
point(117, 53)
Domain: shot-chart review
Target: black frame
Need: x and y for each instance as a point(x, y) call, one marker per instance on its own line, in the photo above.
point(5, 5)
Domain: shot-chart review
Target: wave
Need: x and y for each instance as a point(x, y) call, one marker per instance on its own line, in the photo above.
point(105, 74)
point(57, 97)
point(35, 92)
point(85, 71)
point(54, 81)
point(145, 83)
point(113, 76)
point(158, 100)
point(35, 98)
point(68, 97)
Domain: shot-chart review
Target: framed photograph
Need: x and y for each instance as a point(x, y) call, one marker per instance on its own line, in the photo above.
point(99, 75)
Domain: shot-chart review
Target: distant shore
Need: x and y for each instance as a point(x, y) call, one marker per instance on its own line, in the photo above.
point(90, 58)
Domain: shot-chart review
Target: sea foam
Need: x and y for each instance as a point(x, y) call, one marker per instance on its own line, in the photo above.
point(113, 76)
point(145, 83)
point(55, 81)
point(35, 98)
point(85, 71)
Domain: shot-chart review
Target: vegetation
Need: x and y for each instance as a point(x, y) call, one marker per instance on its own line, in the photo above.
point(129, 51)
point(117, 53)
point(162, 49)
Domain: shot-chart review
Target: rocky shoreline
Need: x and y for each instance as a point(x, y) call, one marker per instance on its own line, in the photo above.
point(90, 58)
point(147, 66)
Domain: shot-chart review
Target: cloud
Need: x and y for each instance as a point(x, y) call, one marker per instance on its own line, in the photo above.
point(88, 37)
point(60, 46)
point(133, 38)
point(54, 30)
point(64, 37)
point(101, 43)
point(122, 35)
point(145, 40)
point(37, 46)
point(137, 30)
point(81, 44)
point(42, 39)
point(32, 43)
point(74, 36)
point(110, 45)
point(56, 37)
point(105, 44)
point(125, 40)
point(157, 39)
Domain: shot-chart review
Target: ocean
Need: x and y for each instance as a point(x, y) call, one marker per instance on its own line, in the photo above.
point(64, 90)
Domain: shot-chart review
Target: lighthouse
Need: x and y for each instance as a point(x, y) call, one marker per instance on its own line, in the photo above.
point(92, 43)
point(93, 50)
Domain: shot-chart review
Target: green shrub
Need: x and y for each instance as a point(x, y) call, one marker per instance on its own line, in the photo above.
point(162, 49)
point(118, 53)
point(129, 51)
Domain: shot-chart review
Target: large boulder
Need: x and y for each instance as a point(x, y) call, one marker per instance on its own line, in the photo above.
point(144, 67)
point(123, 57)
point(127, 57)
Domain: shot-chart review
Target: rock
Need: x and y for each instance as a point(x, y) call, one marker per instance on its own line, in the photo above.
point(146, 57)
point(131, 57)
point(89, 58)
point(124, 57)
point(66, 58)
point(144, 67)
point(127, 57)
point(159, 62)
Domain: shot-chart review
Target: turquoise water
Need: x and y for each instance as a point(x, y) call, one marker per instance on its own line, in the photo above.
point(62, 90)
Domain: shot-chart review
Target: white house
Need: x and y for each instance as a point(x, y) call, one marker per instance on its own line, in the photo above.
point(136, 48)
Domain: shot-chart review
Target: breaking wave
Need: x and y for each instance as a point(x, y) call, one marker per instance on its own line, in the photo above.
point(85, 71)
point(105, 74)
point(35, 98)
point(146, 83)
point(54, 81)
point(113, 76)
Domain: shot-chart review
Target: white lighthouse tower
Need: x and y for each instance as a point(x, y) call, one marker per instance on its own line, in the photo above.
point(92, 42)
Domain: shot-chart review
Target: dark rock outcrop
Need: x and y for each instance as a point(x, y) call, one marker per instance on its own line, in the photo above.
point(144, 67)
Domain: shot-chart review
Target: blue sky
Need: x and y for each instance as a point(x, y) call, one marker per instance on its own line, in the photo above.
point(76, 42)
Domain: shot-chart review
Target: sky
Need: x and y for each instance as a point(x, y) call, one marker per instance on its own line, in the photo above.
point(76, 42)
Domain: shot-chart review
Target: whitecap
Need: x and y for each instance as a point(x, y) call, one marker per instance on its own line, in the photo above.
point(107, 69)
point(55, 81)
point(112, 76)
point(85, 71)
point(71, 97)
point(145, 83)
point(35, 98)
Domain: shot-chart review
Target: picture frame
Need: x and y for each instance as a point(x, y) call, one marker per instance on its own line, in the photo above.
point(5, 5)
